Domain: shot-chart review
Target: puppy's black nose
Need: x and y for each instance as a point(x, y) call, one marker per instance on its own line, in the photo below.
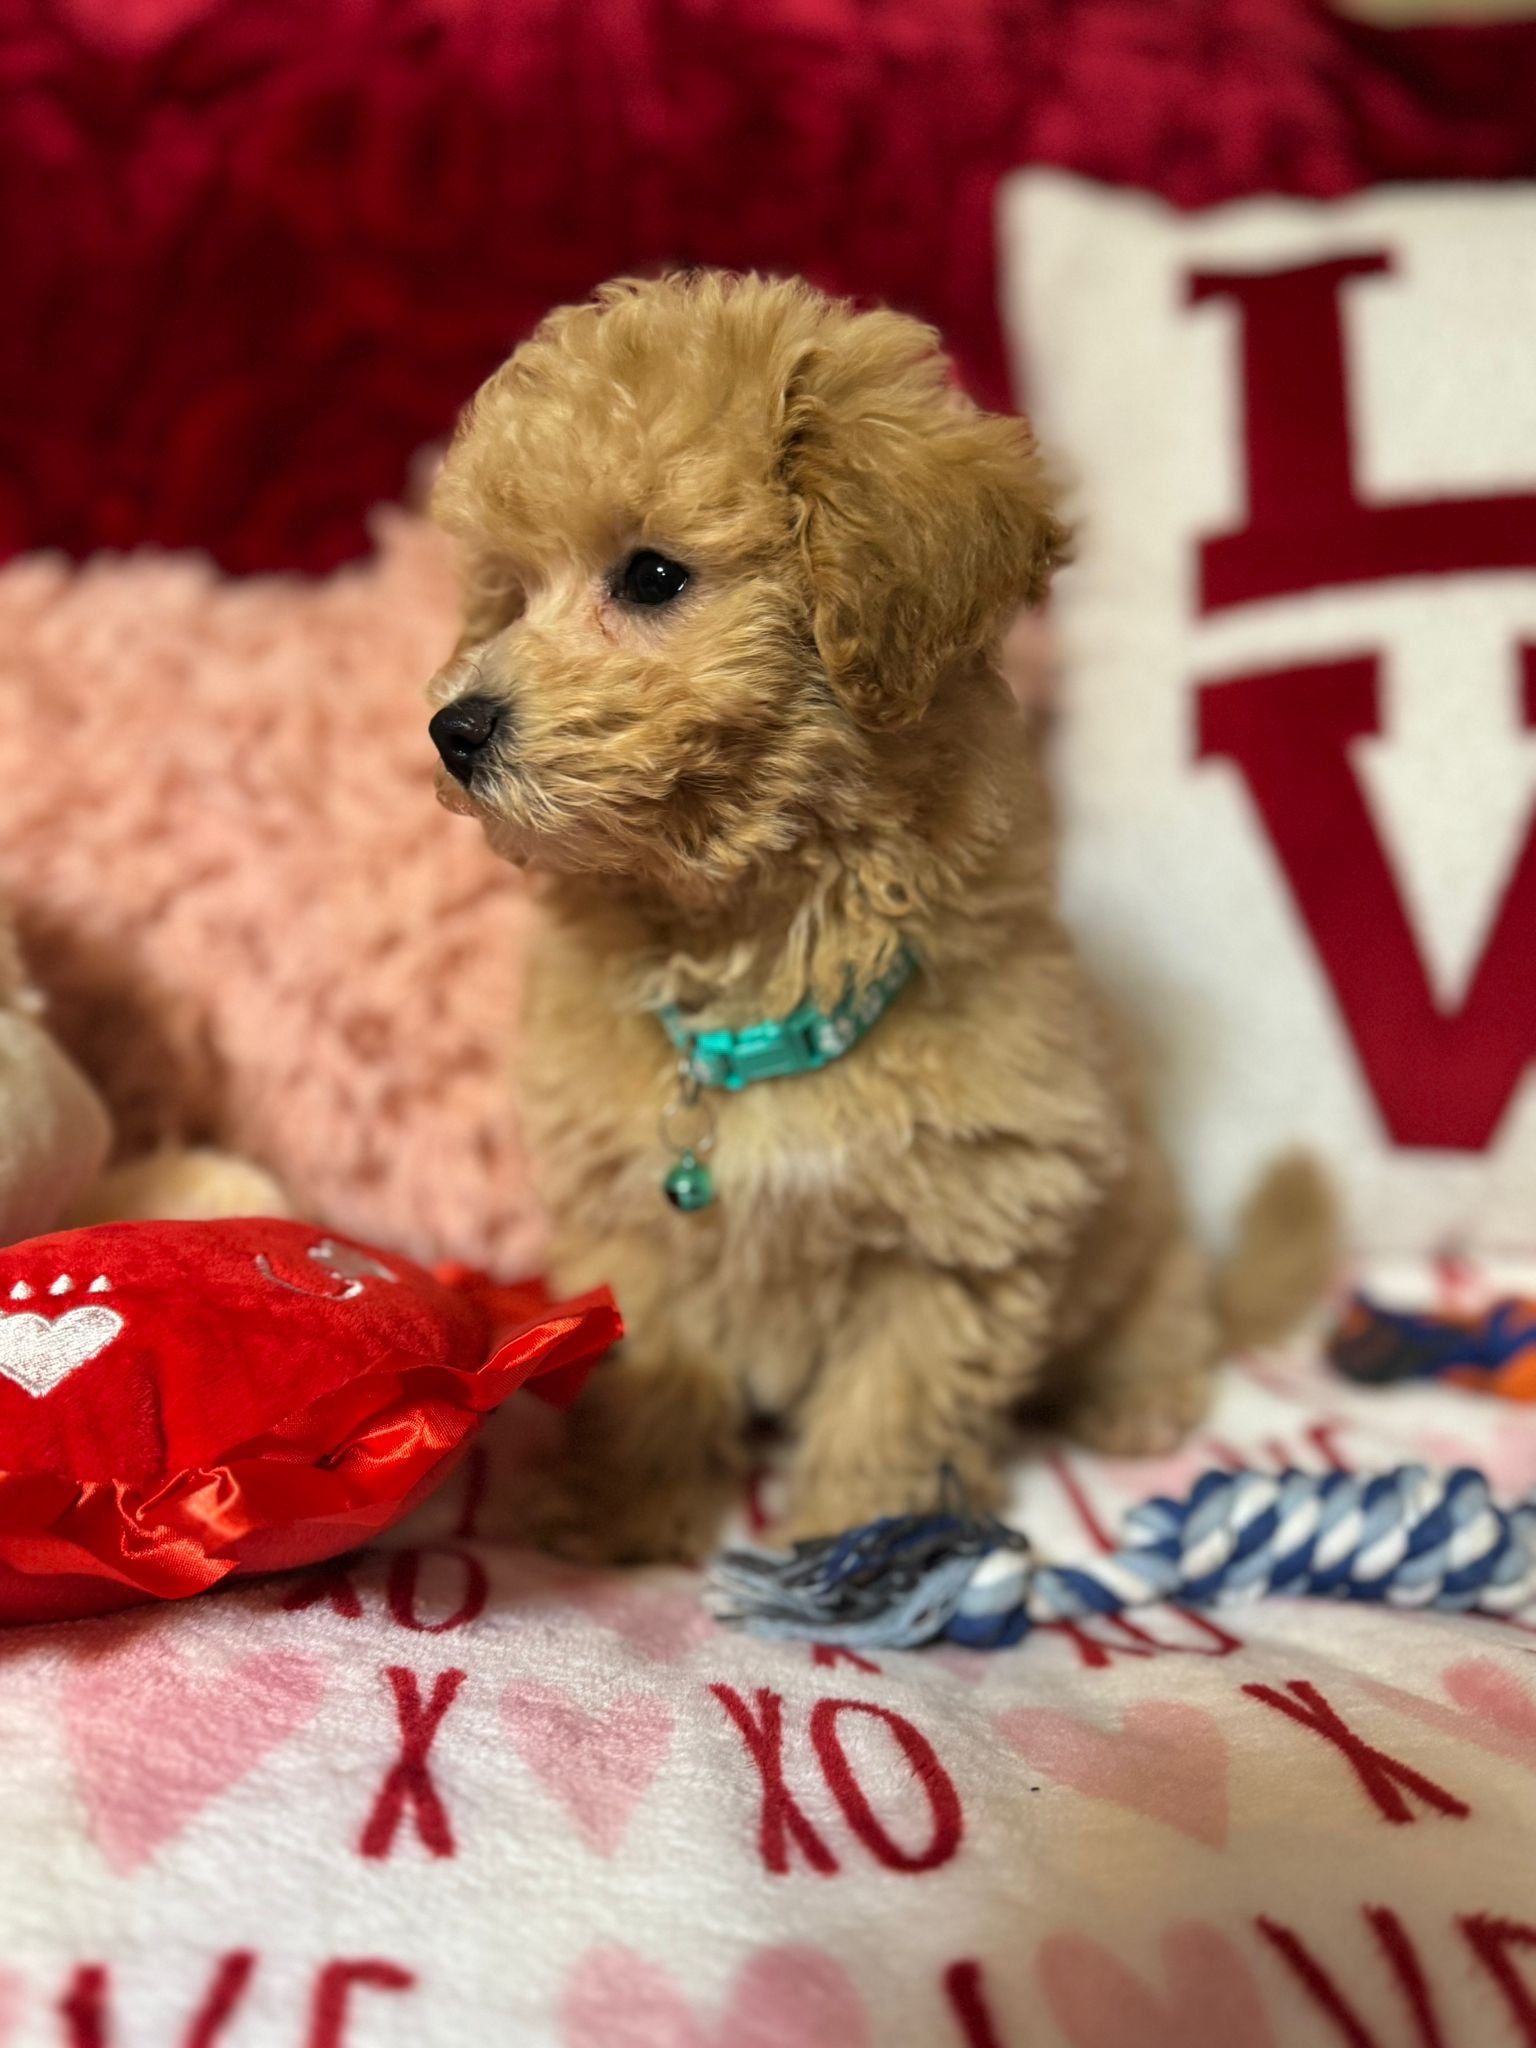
point(462, 731)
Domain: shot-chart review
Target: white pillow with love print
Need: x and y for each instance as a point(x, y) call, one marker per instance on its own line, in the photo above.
point(1298, 753)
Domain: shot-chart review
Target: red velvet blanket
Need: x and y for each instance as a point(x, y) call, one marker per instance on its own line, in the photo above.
point(257, 251)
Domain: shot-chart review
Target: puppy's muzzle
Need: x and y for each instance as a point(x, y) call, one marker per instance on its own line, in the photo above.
point(463, 732)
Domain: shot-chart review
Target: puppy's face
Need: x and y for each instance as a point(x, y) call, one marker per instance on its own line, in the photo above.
point(727, 544)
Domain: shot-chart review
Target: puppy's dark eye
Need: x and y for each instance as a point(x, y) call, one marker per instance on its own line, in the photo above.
point(651, 579)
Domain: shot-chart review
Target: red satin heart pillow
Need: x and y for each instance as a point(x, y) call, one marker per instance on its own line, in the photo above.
point(180, 1402)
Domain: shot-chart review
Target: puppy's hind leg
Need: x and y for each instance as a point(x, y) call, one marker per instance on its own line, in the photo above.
point(1139, 1385)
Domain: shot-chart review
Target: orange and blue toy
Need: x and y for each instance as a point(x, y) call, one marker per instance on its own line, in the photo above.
point(1492, 1351)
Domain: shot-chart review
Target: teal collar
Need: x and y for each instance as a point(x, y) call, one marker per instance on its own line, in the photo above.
point(802, 1043)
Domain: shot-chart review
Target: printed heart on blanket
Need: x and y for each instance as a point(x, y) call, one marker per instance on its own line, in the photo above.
point(971, 1666)
point(1494, 1696)
point(1167, 1761)
point(782, 1998)
point(1211, 2000)
point(661, 1625)
point(1492, 1709)
point(1144, 1478)
point(599, 1766)
point(152, 1744)
point(1508, 1459)
point(40, 1352)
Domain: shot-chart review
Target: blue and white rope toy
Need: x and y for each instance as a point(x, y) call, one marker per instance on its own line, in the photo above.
point(1409, 1537)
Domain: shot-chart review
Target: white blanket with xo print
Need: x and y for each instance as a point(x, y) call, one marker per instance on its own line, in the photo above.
point(450, 1794)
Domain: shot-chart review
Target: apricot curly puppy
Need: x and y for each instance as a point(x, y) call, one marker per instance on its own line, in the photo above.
point(737, 561)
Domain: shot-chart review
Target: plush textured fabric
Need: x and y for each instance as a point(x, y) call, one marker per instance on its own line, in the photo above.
point(185, 1402)
point(257, 251)
point(254, 923)
point(447, 1793)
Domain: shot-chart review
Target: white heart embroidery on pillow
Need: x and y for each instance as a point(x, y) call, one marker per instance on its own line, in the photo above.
point(39, 1355)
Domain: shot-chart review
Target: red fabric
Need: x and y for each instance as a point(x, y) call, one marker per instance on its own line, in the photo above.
point(258, 251)
point(180, 1402)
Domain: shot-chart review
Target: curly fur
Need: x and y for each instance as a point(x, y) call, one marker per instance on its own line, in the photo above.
point(758, 793)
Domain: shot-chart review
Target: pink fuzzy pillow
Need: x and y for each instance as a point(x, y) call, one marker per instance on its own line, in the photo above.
point(256, 926)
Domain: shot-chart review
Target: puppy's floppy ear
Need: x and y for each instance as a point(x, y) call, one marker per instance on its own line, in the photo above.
point(922, 522)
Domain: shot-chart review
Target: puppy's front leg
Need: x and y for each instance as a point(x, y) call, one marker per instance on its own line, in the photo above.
point(654, 1447)
point(921, 1373)
point(653, 1460)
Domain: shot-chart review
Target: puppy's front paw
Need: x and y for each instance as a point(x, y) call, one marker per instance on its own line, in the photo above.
point(1140, 1421)
point(589, 1522)
point(827, 1502)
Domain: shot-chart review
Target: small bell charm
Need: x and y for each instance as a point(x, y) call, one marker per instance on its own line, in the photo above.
point(689, 1185)
point(688, 1131)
